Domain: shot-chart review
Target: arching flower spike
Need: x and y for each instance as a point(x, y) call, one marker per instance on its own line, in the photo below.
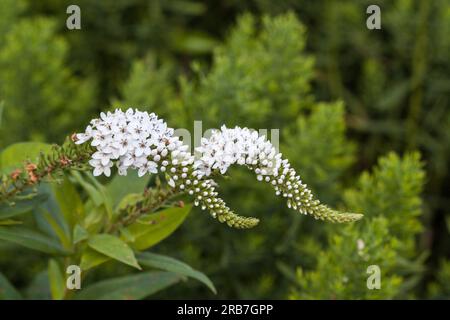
point(140, 141)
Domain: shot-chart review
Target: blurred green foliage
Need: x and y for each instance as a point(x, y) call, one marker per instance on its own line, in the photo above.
point(440, 288)
point(390, 199)
point(342, 96)
point(36, 85)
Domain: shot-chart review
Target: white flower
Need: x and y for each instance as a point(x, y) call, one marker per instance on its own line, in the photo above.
point(122, 170)
point(121, 128)
point(143, 147)
point(103, 157)
point(83, 137)
point(149, 166)
point(100, 139)
point(123, 144)
point(100, 168)
point(127, 160)
point(137, 131)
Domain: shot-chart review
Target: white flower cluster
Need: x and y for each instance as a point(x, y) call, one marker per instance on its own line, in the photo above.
point(237, 146)
point(245, 147)
point(140, 141)
point(132, 139)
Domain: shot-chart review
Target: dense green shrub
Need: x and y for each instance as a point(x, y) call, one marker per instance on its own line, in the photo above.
point(390, 197)
point(37, 88)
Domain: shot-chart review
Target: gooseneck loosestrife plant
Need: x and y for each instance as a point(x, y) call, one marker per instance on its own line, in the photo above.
point(140, 141)
point(135, 140)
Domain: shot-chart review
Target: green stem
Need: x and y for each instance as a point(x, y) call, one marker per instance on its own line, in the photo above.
point(150, 203)
point(68, 156)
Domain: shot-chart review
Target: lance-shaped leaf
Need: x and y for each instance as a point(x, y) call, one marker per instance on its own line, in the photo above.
point(7, 290)
point(56, 278)
point(153, 228)
point(79, 234)
point(158, 261)
point(39, 288)
point(91, 258)
point(32, 240)
point(121, 186)
point(132, 287)
point(20, 206)
point(113, 247)
point(9, 222)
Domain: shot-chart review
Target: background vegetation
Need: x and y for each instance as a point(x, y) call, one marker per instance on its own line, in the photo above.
point(363, 116)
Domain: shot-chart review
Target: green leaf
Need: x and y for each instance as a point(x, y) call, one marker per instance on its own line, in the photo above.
point(121, 186)
point(58, 215)
point(14, 155)
point(115, 248)
point(96, 191)
point(7, 290)
point(56, 280)
point(39, 288)
point(63, 237)
point(153, 228)
point(158, 261)
point(107, 201)
point(50, 218)
point(95, 219)
point(31, 239)
point(126, 235)
point(91, 258)
point(9, 222)
point(69, 202)
point(79, 234)
point(129, 199)
point(132, 287)
point(20, 206)
point(94, 194)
